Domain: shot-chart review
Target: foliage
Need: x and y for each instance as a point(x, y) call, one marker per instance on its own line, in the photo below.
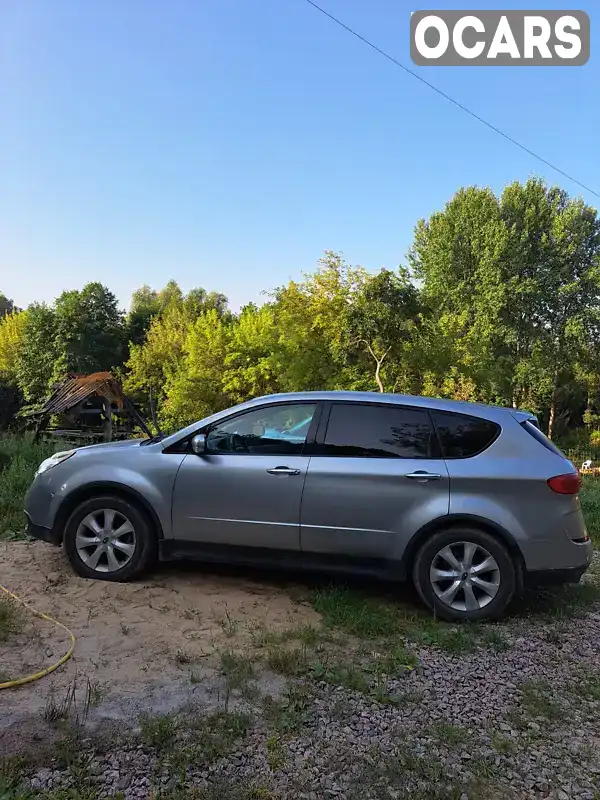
point(89, 331)
point(500, 302)
point(19, 458)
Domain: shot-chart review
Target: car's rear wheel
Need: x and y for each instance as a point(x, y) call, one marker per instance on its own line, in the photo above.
point(465, 574)
point(109, 538)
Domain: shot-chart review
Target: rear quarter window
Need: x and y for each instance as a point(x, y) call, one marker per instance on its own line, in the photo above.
point(463, 436)
point(533, 430)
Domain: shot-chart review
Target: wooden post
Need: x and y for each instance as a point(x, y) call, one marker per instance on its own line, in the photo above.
point(107, 419)
point(40, 426)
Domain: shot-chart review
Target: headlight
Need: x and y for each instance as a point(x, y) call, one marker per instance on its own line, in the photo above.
point(57, 458)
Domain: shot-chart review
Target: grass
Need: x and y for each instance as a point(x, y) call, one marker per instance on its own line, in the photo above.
point(588, 685)
point(590, 505)
point(538, 700)
point(449, 734)
point(20, 456)
point(11, 617)
point(213, 736)
point(158, 730)
point(367, 617)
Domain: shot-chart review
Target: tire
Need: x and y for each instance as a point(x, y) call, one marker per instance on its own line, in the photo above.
point(501, 580)
point(123, 556)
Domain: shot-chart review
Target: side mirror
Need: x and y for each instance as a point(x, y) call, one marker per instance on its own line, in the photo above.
point(199, 444)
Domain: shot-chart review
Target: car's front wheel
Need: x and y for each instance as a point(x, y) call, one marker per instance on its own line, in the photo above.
point(109, 538)
point(465, 574)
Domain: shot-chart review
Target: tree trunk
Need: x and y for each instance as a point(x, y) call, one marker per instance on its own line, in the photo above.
point(377, 375)
point(552, 417)
point(107, 420)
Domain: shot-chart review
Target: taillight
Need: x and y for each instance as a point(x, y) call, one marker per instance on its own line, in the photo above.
point(565, 484)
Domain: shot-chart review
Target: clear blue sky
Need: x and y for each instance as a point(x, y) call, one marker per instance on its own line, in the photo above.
point(227, 143)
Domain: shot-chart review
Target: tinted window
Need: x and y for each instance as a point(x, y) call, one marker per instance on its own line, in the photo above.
point(534, 431)
point(275, 430)
point(463, 436)
point(377, 432)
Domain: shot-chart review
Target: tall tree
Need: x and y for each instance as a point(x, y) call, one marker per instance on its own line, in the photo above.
point(195, 389)
point(6, 305)
point(38, 353)
point(90, 331)
point(12, 327)
point(382, 321)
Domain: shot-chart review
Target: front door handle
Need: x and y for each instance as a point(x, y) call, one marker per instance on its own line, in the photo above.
point(421, 475)
point(283, 471)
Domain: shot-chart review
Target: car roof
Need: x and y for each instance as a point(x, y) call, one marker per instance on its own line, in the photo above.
point(442, 404)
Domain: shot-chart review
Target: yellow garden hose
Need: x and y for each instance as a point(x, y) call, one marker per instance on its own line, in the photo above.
point(42, 673)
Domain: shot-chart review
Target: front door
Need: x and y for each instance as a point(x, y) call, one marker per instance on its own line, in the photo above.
point(374, 479)
point(246, 490)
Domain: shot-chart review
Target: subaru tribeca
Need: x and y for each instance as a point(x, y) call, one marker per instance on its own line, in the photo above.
point(470, 502)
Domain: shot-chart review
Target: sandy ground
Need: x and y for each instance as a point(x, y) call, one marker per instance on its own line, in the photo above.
point(137, 643)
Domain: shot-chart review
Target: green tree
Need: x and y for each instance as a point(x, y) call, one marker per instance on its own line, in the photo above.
point(90, 331)
point(382, 323)
point(6, 305)
point(38, 353)
point(195, 389)
point(12, 327)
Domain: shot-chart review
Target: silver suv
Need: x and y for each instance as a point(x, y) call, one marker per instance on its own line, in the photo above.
point(469, 501)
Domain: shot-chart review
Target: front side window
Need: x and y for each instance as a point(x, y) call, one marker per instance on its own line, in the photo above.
point(369, 431)
point(275, 430)
point(462, 436)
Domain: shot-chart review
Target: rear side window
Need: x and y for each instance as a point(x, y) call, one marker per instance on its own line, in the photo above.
point(462, 436)
point(534, 431)
point(369, 431)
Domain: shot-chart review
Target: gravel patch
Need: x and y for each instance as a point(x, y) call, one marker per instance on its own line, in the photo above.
point(520, 723)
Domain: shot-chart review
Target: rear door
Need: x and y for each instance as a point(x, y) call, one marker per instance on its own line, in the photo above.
point(375, 478)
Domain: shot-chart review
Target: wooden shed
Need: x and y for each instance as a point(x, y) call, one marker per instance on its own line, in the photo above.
point(88, 406)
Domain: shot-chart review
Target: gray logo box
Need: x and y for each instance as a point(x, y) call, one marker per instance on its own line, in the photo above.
point(530, 38)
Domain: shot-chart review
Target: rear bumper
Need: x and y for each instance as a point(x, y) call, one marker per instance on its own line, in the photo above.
point(44, 534)
point(550, 577)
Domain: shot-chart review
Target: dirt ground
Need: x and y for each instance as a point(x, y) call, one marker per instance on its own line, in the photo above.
point(144, 646)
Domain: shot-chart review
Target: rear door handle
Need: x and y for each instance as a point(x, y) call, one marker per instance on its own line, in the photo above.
point(421, 475)
point(283, 471)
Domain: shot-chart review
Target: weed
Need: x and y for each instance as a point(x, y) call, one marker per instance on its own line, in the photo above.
point(396, 660)
point(588, 685)
point(183, 657)
point(228, 624)
point(503, 744)
point(97, 692)
point(237, 669)
point(69, 708)
point(291, 712)
point(449, 734)
point(11, 617)
point(195, 677)
point(346, 675)
point(124, 629)
point(537, 699)
point(287, 662)
point(215, 735)
point(275, 754)
point(158, 730)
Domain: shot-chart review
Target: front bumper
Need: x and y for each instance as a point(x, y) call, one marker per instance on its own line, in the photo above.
point(45, 534)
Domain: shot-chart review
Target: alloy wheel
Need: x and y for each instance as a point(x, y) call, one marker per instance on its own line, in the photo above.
point(105, 540)
point(465, 576)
